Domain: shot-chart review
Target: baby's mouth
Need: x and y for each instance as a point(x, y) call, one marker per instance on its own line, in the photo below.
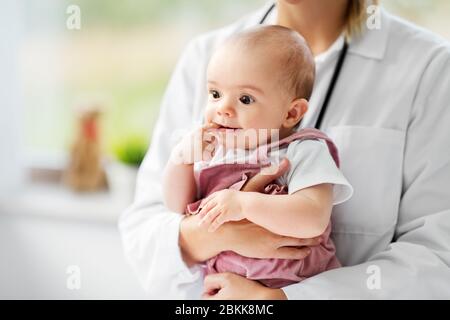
point(221, 127)
point(226, 128)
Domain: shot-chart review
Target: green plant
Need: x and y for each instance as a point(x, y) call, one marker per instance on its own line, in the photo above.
point(131, 151)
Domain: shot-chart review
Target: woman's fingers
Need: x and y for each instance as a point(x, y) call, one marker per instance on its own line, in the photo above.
point(260, 181)
point(295, 242)
point(206, 205)
point(212, 284)
point(292, 253)
point(210, 296)
point(293, 248)
point(282, 168)
point(205, 209)
point(217, 222)
point(209, 218)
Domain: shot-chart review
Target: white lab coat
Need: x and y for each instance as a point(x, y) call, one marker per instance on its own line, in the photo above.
point(390, 118)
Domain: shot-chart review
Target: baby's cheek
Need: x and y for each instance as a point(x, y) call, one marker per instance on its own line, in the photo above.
point(262, 119)
point(254, 120)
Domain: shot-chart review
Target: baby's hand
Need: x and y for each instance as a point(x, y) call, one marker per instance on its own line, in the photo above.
point(196, 146)
point(220, 207)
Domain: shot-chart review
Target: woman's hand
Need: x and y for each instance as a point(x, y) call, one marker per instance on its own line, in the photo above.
point(262, 179)
point(229, 286)
point(243, 237)
point(253, 241)
point(197, 244)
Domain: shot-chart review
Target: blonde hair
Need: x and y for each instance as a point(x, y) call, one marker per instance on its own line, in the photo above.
point(293, 55)
point(357, 15)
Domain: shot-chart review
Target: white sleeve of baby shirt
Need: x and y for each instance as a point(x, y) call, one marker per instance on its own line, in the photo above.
point(312, 164)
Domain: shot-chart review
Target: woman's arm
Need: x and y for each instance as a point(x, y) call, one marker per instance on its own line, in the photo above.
point(243, 237)
point(149, 231)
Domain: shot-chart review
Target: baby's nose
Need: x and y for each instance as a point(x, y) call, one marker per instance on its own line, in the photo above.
point(225, 111)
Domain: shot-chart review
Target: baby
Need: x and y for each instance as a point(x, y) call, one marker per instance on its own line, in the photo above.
point(259, 83)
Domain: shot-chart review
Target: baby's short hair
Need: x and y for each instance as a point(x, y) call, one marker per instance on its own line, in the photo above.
point(295, 57)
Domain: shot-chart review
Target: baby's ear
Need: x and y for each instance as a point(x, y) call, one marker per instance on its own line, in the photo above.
point(296, 111)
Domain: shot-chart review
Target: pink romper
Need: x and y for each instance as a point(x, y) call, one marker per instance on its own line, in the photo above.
point(274, 273)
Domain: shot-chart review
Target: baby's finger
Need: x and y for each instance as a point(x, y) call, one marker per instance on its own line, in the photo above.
point(211, 125)
point(209, 136)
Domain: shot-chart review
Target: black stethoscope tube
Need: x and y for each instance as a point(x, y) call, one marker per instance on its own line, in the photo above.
point(334, 78)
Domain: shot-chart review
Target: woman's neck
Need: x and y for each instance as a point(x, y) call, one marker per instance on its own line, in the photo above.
point(320, 22)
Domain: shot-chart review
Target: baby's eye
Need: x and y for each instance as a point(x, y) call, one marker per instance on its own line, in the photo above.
point(215, 94)
point(246, 99)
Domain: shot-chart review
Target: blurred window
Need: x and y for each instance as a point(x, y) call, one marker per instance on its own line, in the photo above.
point(122, 57)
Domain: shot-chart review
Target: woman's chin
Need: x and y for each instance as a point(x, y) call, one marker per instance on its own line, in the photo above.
point(292, 1)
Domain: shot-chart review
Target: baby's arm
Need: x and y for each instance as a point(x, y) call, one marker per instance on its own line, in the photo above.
point(303, 214)
point(178, 185)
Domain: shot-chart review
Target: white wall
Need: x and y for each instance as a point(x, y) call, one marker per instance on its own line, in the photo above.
point(36, 249)
point(35, 253)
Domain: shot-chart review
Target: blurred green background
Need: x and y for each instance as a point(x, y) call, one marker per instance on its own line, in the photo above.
point(122, 58)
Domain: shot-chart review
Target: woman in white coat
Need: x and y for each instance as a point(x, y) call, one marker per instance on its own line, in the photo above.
point(389, 114)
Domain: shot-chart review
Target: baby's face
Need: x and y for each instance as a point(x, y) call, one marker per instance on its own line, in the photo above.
point(245, 92)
